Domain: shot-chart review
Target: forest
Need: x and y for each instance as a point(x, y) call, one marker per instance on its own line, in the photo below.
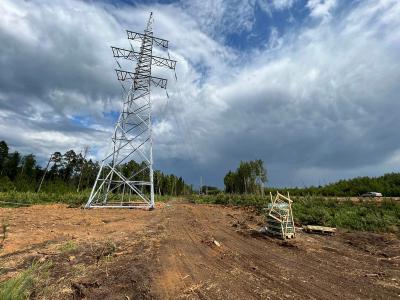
point(250, 178)
point(73, 172)
point(69, 172)
point(387, 184)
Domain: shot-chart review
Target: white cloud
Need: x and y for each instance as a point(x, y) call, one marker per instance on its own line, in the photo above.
point(219, 16)
point(321, 8)
point(270, 6)
point(309, 102)
point(283, 4)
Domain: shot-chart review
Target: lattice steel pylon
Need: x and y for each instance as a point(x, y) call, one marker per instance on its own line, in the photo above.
point(132, 138)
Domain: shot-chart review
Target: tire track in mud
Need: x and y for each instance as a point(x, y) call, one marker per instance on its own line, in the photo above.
point(271, 264)
point(305, 269)
point(234, 263)
point(217, 262)
point(212, 279)
point(251, 271)
point(170, 253)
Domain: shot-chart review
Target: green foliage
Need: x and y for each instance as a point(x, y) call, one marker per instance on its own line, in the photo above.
point(67, 247)
point(3, 156)
point(21, 286)
point(365, 216)
point(248, 178)
point(70, 172)
point(6, 185)
point(255, 201)
point(11, 165)
point(388, 185)
point(28, 198)
point(210, 190)
point(74, 199)
point(368, 216)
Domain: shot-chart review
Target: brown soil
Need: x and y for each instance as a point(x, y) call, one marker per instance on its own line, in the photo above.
point(187, 251)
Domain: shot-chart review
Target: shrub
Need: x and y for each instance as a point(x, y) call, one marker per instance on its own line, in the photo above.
point(22, 285)
point(314, 210)
point(6, 184)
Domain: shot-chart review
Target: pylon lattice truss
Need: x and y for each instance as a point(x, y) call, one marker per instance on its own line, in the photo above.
point(132, 138)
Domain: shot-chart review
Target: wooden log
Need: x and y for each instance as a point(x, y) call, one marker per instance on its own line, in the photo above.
point(319, 229)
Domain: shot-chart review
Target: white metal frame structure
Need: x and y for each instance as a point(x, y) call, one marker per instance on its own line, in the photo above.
point(280, 217)
point(132, 138)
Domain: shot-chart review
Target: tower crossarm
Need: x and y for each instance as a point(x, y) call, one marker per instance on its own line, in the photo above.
point(156, 81)
point(134, 36)
point(134, 55)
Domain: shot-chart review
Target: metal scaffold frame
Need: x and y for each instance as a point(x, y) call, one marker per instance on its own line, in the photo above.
point(280, 217)
point(132, 137)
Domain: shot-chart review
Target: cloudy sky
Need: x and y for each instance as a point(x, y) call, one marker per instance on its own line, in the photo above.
point(311, 87)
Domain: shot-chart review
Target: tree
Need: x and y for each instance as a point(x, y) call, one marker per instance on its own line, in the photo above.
point(12, 164)
point(26, 177)
point(29, 165)
point(248, 178)
point(56, 158)
point(229, 182)
point(70, 164)
point(71, 172)
point(6, 184)
point(3, 155)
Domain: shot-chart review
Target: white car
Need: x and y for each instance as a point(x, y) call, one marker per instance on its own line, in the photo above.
point(372, 194)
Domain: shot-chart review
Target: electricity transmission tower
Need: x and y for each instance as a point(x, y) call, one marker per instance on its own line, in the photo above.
point(116, 185)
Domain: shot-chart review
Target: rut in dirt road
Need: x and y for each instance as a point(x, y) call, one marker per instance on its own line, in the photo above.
point(188, 251)
point(251, 266)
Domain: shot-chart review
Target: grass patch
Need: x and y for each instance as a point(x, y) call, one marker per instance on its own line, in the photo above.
point(103, 251)
point(74, 199)
point(4, 229)
point(364, 216)
point(67, 247)
point(25, 284)
point(15, 199)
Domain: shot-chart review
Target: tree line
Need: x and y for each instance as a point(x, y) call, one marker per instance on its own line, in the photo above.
point(74, 172)
point(388, 185)
point(70, 172)
point(251, 176)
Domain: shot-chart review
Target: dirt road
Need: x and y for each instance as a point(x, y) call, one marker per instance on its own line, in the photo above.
point(186, 251)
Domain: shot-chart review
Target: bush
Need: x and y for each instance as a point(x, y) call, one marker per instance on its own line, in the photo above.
point(6, 184)
point(27, 198)
point(22, 285)
point(313, 210)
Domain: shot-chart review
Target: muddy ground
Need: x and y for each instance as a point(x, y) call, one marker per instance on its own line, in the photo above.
point(187, 251)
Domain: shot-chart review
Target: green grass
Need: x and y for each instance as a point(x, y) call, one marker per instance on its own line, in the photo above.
point(363, 216)
point(67, 247)
point(22, 286)
point(255, 201)
point(16, 199)
point(28, 198)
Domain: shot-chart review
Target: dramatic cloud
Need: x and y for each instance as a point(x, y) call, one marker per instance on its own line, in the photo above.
point(317, 100)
